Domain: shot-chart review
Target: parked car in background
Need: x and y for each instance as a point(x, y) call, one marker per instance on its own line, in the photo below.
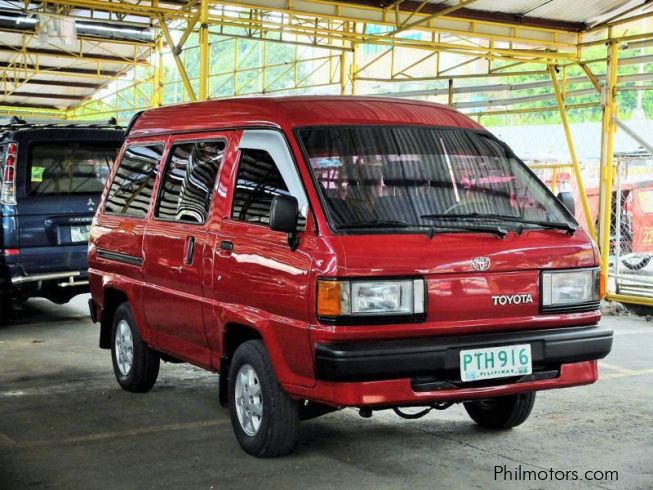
point(635, 238)
point(331, 252)
point(51, 178)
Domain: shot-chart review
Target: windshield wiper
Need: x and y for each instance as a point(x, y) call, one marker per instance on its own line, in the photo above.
point(544, 224)
point(497, 230)
point(377, 222)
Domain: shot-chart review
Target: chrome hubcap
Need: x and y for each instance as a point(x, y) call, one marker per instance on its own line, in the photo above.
point(124, 347)
point(249, 400)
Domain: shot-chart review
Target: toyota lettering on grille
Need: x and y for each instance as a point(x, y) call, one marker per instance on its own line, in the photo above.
point(512, 299)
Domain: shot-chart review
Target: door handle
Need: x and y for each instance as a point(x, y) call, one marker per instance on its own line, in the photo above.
point(190, 250)
point(226, 245)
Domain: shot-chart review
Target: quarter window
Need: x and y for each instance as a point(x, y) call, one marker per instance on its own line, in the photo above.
point(188, 181)
point(257, 183)
point(131, 190)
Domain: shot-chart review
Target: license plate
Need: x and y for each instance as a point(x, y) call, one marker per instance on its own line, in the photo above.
point(495, 362)
point(80, 233)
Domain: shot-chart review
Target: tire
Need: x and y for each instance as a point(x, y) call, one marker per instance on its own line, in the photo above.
point(502, 412)
point(6, 309)
point(274, 431)
point(139, 375)
point(636, 262)
point(21, 301)
point(639, 310)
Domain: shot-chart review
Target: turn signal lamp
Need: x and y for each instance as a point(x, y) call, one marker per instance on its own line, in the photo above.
point(328, 298)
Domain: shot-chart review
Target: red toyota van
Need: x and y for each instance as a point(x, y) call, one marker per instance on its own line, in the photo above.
point(329, 252)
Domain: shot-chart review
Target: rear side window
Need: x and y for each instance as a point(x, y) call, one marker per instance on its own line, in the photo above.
point(131, 190)
point(63, 168)
point(187, 185)
point(257, 183)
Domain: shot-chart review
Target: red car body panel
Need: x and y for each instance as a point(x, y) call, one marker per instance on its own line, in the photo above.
point(185, 310)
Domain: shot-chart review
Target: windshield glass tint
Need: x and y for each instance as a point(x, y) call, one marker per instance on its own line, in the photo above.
point(382, 174)
point(69, 167)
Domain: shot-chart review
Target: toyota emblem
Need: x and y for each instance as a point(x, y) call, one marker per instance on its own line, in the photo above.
point(481, 264)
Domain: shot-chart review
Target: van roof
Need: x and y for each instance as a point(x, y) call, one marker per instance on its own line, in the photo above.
point(295, 111)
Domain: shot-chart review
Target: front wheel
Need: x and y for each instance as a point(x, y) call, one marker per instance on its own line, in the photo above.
point(135, 365)
point(502, 412)
point(264, 418)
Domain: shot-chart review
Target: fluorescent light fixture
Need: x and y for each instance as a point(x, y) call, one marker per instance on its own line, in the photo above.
point(19, 20)
point(116, 29)
point(81, 25)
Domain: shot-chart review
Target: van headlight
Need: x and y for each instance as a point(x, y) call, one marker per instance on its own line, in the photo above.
point(573, 289)
point(349, 301)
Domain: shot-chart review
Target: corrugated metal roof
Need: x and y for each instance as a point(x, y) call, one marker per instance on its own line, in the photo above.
point(48, 74)
point(584, 11)
point(80, 77)
point(581, 13)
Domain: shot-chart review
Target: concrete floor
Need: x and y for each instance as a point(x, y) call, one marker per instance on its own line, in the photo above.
point(65, 423)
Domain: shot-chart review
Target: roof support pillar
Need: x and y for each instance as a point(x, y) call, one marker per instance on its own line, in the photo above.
point(597, 85)
point(347, 72)
point(157, 80)
point(352, 68)
point(572, 151)
point(180, 64)
point(608, 128)
point(205, 50)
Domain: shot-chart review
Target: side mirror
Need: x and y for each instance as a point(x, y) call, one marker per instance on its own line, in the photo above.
point(567, 199)
point(284, 215)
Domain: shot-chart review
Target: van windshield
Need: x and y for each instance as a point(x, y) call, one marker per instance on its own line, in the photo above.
point(57, 168)
point(403, 176)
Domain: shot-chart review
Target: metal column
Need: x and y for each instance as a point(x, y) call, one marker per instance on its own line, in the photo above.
point(572, 152)
point(204, 50)
point(157, 96)
point(607, 155)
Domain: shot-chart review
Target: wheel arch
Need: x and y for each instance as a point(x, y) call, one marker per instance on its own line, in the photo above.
point(112, 299)
point(234, 334)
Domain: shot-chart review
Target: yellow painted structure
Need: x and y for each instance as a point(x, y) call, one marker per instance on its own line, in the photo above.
point(355, 45)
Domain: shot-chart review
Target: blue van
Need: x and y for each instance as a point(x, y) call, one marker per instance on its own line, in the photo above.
point(51, 178)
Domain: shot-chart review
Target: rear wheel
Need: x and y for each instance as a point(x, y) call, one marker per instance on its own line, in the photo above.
point(502, 412)
point(135, 365)
point(264, 417)
point(6, 308)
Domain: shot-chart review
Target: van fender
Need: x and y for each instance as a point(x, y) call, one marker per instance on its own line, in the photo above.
point(132, 291)
point(292, 364)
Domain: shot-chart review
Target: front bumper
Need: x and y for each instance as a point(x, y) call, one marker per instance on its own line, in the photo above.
point(423, 371)
point(433, 363)
point(401, 392)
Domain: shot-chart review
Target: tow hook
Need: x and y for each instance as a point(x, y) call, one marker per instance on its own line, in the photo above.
point(419, 415)
point(366, 412)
